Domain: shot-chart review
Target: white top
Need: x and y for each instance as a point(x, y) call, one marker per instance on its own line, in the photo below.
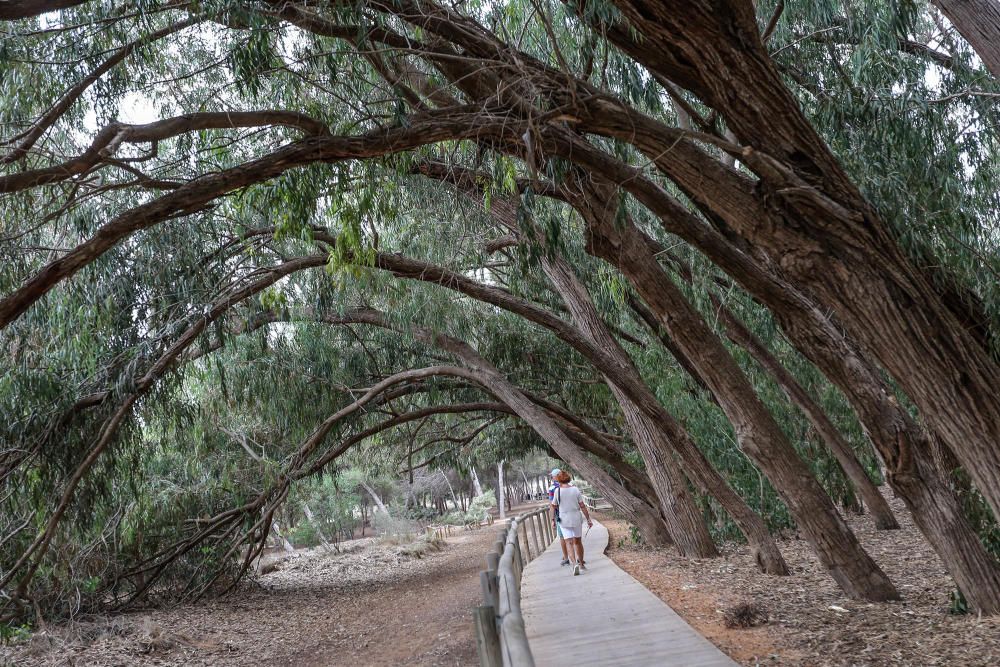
point(568, 499)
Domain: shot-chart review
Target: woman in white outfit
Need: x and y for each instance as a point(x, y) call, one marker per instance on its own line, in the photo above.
point(567, 504)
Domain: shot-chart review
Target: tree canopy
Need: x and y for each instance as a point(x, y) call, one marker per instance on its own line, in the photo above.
point(734, 263)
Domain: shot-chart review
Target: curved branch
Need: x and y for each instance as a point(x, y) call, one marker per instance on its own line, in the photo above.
point(12, 10)
point(194, 195)
point(106, 141)
point(28, 138)
point(143, 385)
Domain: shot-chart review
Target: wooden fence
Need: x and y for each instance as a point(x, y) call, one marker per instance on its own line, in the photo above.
point(499, 627)
point(596, 503)
point(447, 530)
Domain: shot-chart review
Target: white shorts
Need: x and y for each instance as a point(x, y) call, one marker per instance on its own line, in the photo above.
point(572, 532)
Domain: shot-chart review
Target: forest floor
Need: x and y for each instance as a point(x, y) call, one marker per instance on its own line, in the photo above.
point(375, 606)
point(811, 623)
point(371, 606)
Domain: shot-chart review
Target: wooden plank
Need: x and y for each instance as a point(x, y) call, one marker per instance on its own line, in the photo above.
point(604, 616)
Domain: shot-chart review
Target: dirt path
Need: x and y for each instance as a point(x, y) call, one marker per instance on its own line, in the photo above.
point(373, 607)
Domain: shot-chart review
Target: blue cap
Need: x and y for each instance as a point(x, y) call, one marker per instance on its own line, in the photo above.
point(555, 471)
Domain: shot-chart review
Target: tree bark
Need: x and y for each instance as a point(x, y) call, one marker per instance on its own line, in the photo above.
point(684, 521)
point(759, 435)
point(979, 23)
point(813, 223)
point(841, 449)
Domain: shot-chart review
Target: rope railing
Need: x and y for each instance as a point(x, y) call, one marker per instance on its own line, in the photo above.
point(499, 626)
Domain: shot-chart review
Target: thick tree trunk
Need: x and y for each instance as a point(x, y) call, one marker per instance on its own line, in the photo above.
point(683, 518)
point(840, 448)
point(979, 22)
point(929, 341)
point(910, 465)
point(759, 435)
point(897, 439)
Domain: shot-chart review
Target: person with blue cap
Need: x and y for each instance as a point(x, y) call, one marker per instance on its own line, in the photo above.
point(555, 520)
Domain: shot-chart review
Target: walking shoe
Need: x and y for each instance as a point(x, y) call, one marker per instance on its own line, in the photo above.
point(583, 566)
point(565, 562)
point(576, 569)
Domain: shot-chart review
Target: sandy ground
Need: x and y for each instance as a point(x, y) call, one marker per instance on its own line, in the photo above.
point(811, 622)
point(370, 607)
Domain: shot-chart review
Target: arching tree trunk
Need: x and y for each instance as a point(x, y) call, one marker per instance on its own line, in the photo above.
point(840, 448)
point(979, 23)
point(905, 452)
point(896, 438)
point(759, 435)
point(645, 517)
point(684, 520)
point(805, 201)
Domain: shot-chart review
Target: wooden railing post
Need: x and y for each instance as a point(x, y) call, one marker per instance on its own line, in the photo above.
point(534, 535)
point(488, 584)
point(501, 590)
point(487, 637)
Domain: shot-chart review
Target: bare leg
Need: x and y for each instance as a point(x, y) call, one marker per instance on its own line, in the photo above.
point(578, 543)
point(562, 543)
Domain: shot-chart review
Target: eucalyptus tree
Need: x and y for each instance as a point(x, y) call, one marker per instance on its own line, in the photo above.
point(836, 161)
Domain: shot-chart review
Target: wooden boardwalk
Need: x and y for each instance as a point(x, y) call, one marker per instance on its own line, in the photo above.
point(604, 616)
